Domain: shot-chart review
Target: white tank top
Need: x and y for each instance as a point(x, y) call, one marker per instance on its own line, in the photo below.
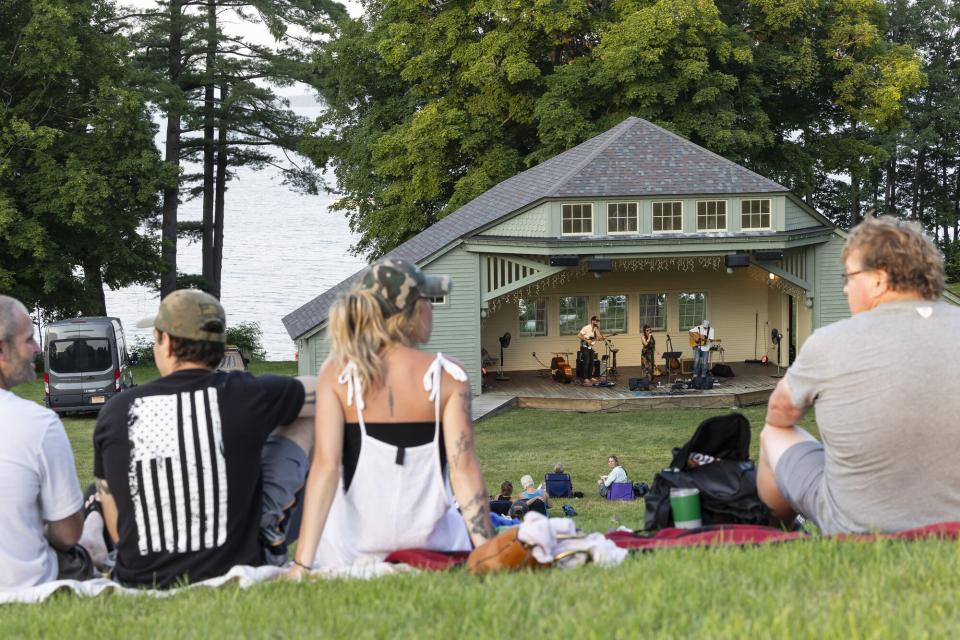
point(395, 501)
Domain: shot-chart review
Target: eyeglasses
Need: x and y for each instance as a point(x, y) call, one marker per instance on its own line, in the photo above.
point(845, 277)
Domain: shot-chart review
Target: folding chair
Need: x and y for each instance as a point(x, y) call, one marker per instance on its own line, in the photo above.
point(558, 485)
point(620, 491)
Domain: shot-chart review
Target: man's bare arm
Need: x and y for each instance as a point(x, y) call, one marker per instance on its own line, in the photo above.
point(781, 412)
point(109, 507)
point(64, 534)
point(309, 408)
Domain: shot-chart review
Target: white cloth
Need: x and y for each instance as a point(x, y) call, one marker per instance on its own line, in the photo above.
point(556, 540)
point(589, 331)
point(392, 506)
point(704, 331)
point(39, 483)
point(243, 576)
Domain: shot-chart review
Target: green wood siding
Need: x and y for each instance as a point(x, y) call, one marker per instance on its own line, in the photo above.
point(830, 304)
point(305, 363)
point(456, 323)
point(797, 218)
point(544, 221)
point(530, 224)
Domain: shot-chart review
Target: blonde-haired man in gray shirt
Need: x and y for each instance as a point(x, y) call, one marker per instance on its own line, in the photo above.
point(881, 385)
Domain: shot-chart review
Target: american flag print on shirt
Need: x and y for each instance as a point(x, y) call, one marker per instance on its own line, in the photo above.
point(178, 475)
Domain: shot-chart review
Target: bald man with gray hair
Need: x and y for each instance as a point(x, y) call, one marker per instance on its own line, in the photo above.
point(41, 504)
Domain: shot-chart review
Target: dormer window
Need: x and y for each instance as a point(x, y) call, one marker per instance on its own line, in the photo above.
point(621, 217)
point(755, 214)
point(577, 219)
point(712, 215)
point(668, 216)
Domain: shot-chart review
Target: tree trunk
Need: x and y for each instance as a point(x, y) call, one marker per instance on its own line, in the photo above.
point(208, 150)
point(890, 192)
point(917, 176)
point(221, 188)
point(95, 303)
point(855, 215)
point(171, 193)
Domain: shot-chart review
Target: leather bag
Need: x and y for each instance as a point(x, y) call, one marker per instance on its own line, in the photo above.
point(503, 552)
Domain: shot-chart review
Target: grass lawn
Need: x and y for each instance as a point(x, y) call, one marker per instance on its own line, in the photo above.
point(816, 588)
point(955, 288)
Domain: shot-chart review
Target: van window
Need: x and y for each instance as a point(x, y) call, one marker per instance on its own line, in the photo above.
point(79, 355)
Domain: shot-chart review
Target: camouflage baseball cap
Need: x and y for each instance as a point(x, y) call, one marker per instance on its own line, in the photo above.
point(191, 314)
point(399, 284)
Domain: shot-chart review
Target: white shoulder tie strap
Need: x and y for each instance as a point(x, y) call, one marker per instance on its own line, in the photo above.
point(433, 376)
point(350, 378)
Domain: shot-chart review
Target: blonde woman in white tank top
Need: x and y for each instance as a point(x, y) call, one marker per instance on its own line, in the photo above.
point(373, 392)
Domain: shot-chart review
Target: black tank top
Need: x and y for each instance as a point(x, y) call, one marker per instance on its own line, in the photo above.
point(397, 434)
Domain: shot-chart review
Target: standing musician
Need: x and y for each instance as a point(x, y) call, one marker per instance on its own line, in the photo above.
point(588, 336)
point(647, 352)
point(700, 338)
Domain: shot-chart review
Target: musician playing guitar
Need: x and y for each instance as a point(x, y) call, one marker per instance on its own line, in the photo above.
point(588, 337)
point(700, 338)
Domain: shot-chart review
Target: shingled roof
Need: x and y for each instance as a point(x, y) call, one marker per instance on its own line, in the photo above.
point(634, 158)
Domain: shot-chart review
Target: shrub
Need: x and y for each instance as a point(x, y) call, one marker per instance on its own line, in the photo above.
point(142, 350)
point(248, 337)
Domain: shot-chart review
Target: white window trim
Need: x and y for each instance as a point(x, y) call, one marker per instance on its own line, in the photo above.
point(666, 310)
point(655, 202)
point(585, 320)
point(626, 309)
point(439, 301)
point(696, 213)
point(705, 314)
point(546, 321)
point(623, 233)
point(767, 228)
point(593, 222)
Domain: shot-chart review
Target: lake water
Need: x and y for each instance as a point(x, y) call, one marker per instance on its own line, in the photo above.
point(280, 250)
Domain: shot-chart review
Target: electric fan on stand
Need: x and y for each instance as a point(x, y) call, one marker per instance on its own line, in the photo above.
point(504, 343)
point(776, 337)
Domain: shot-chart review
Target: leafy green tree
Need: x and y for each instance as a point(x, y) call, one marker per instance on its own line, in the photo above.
point(432, 103)
point(79, 172)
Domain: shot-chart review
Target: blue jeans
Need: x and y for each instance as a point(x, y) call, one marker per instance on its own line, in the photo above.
point(284, 467)
point(700, 359)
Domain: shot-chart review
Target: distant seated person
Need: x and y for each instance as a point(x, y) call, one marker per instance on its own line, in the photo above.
point(558, 484)
point(506, 491)
point(535, 498)
point(617, 474)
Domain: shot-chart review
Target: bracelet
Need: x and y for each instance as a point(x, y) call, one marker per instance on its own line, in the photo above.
point(301, 565)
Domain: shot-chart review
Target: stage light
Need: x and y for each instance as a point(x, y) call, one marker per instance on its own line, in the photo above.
point(773, 276)
point(730, 270)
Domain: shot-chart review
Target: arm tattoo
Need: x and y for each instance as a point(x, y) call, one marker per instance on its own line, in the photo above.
point(466, 399)
point(461, 447)
point(102, 486)
point(478, 520)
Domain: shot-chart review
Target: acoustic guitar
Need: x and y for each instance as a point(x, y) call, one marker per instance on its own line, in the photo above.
point(698, 339)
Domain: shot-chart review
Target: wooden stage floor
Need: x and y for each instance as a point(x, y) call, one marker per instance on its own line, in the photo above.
point(752, 384)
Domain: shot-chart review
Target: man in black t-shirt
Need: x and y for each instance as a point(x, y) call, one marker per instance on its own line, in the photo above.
point(192, 470)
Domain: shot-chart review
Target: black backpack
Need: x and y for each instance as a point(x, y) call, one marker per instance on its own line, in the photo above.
point(728, 486)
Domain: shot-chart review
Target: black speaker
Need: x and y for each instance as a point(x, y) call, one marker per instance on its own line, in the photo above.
point(767, 256)
point(722, 370)
point(639, 384)
point(564, 261)
point(702, 383)
point(737, 260)
point(599, 264)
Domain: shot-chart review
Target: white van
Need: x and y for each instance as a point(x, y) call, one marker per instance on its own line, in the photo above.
point(85, 363)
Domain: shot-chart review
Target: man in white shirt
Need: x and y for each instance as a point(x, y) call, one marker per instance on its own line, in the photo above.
point(701, 336)
point(40, 505)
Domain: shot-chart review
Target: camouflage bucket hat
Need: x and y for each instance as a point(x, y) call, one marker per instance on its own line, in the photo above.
point(399, 284)
point(191, 314)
